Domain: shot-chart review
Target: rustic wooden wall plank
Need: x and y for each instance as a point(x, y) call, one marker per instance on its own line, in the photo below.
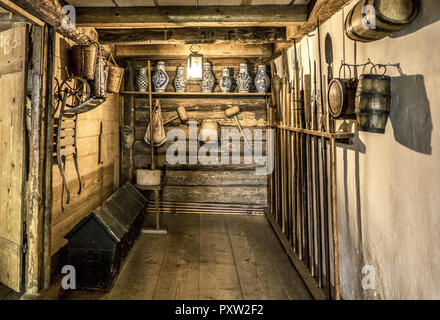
point(12, 161)
point(99, 181)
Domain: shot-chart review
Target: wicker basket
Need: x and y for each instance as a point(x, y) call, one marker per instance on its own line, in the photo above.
point(115, 76)
point(84, 60)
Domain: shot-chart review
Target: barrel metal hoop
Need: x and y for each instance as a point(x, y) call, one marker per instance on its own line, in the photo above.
point(371, 130)
point(372, 94)
point(372, 111)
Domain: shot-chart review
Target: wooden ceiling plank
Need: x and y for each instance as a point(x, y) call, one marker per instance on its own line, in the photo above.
point(258, 35)
point(167, 17)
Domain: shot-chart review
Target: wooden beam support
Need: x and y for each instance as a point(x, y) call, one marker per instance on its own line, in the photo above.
point(250, 35)
point(14, 8)
point(278, 49)
point(34, 258)
point(49, 11)
point(213, 51)
point(185, 16)
point(318, 9)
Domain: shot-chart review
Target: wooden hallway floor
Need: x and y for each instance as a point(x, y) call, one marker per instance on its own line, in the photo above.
point(206, 257)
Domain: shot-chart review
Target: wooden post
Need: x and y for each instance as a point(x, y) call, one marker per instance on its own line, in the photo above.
point(335, 218)
point(150, 96)
point(35, 188)
point(128, 120)
point(49, 123)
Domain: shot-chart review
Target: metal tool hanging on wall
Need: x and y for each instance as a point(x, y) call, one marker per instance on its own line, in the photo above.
point(73, 98)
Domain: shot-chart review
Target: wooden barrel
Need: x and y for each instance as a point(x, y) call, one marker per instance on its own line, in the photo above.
point(341, 98)
point(391, 16)
point(373, 101)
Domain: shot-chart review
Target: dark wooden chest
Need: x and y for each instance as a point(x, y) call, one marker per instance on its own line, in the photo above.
point(100, 242)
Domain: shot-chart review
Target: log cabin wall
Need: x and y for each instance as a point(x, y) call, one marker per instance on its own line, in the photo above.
point(99, 181)
point(216, 183)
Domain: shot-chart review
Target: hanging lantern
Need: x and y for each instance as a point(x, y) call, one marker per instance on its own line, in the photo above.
point(195, 65)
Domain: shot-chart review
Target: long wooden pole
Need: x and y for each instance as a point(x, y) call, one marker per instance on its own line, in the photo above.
point(335, 218)
point(150, 96)
point(35, 210)
point(49, 122)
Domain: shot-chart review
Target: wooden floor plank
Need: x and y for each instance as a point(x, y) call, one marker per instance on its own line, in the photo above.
point(4, 291)
point(206, 257)
point(138, 279)
point(218, 273)
point(293, 284)
point(179, 275)
point(257, 276)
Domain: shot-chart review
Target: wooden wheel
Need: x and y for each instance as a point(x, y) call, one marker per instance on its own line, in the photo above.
point(78, 91)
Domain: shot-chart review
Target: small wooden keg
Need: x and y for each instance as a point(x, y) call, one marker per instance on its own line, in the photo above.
point(391, 16)
point(373, 101)
point(341, 98)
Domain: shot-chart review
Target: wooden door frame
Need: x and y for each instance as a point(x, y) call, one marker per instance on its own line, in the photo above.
point(38, 189)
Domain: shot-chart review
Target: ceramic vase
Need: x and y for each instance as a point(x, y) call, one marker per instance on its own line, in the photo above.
point(244, 80)
point(226, 81)
point(180, 80)
point(208, 81)
point(142, 80)
point(262, 80)
point(160, 78)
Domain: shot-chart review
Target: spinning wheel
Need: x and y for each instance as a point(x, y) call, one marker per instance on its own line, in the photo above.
point(77, 90)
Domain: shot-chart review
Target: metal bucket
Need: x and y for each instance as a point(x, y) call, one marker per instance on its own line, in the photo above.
point(127, 137)
point(390, 16)
point(373, 101)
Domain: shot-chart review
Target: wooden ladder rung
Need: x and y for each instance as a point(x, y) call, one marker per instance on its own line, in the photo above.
point(69, 151)
point(67, 142)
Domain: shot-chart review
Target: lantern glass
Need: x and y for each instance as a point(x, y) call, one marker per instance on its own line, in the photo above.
point(195, 67)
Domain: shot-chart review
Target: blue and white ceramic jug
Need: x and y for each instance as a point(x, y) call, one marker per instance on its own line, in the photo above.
point(142, 80)
point(244, 80)
point(180, 79)
point(160, 78)
point(208, 80)
point(262, 80)
point(226, 81)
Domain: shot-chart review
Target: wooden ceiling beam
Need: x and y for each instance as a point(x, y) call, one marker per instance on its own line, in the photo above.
point(209, 51)
point(317, 9)
point(260, 35)
point(185, 16)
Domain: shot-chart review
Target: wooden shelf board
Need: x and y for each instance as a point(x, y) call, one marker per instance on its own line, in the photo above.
point(198, 94)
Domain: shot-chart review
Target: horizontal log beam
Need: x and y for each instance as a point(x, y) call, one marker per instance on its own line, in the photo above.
point(212, 16)
point(50, 11)
point(251, 35)
point(213, 51)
